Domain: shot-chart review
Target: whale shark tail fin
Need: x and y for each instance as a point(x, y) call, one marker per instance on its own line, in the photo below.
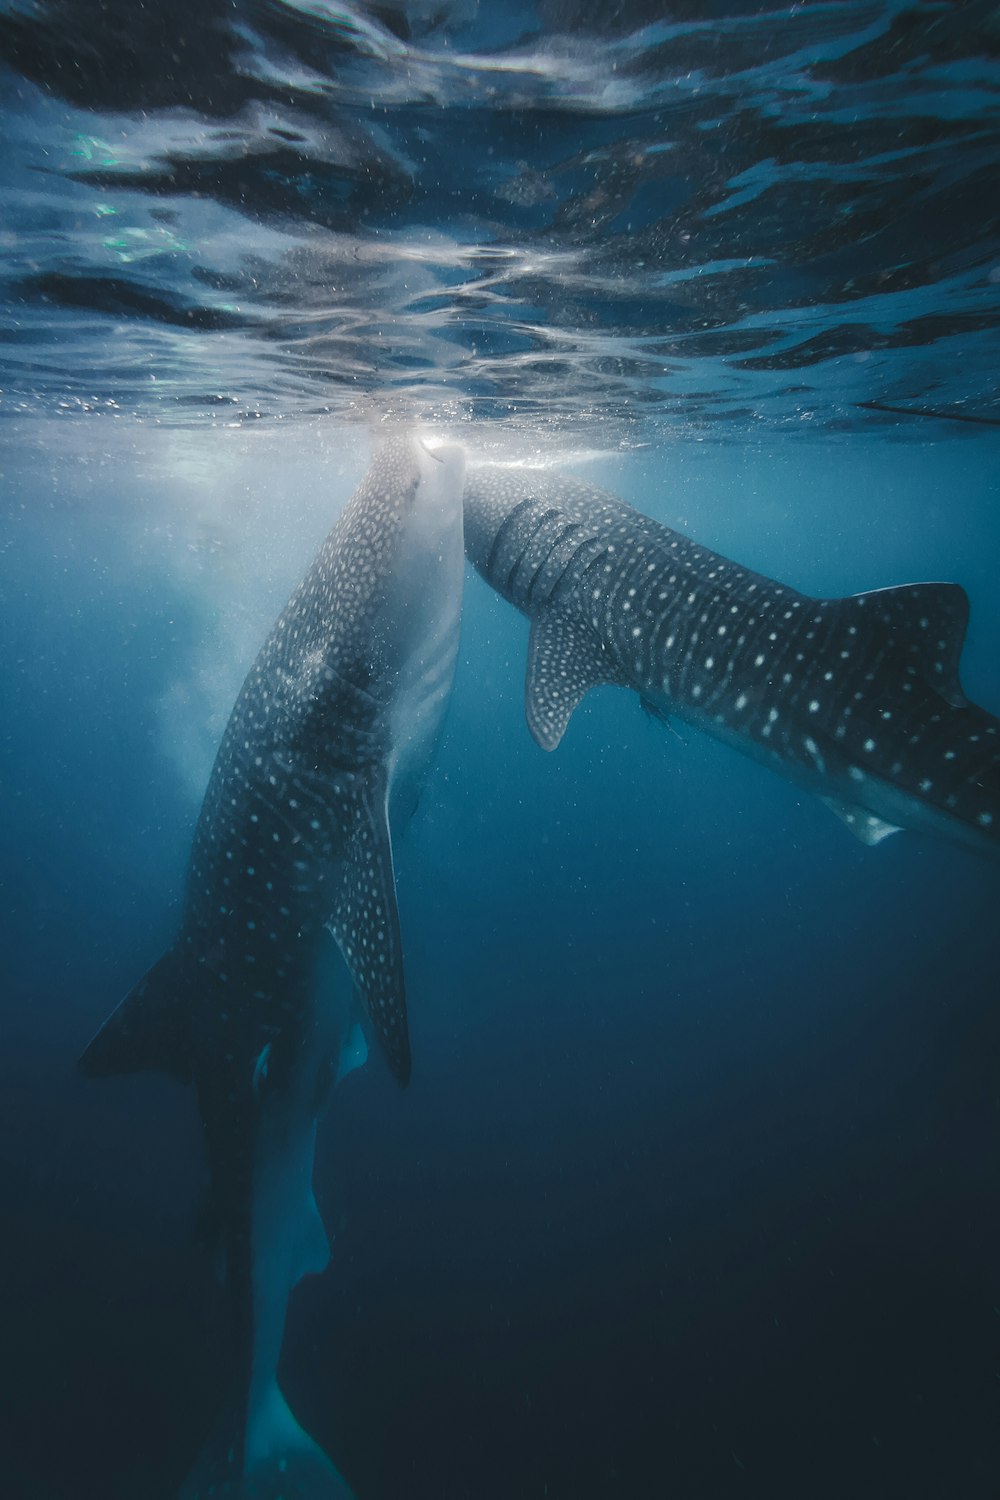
point(149, 1031)
point(928, 622)
point(281, 1462)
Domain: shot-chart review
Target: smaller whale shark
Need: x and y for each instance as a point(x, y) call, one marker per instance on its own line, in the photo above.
point(340, 709)
point(856, 699)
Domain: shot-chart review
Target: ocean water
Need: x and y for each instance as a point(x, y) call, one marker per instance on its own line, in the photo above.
point(695, 1192)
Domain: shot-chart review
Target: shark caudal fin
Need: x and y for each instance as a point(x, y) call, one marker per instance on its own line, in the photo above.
point(282, 1463)
point(149, 1031)
point(929, 620)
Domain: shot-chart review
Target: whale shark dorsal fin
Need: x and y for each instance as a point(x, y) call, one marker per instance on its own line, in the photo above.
point(366, 926)
point(865, 826)
point(149, 1031)
point(565, 660)
point(930, 621)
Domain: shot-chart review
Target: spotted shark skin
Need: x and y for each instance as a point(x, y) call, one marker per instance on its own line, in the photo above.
point(855, 699)
point(341, 706)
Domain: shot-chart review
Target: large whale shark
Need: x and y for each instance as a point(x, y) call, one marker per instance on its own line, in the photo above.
point(856, 699)
point(341, 706)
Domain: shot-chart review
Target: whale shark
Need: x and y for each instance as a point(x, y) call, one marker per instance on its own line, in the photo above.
point(339, 711)
point(855, 699)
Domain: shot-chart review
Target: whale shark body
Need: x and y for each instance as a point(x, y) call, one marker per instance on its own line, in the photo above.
point(341, 706)
point(855, 699)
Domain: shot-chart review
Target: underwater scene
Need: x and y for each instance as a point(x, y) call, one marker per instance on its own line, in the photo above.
point(500, 750)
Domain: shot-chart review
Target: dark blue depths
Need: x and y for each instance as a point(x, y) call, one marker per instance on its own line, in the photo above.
point(695, 1189)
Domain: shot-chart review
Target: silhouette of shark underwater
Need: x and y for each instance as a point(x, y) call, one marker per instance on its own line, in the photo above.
point(343, 703)
point(856, 699)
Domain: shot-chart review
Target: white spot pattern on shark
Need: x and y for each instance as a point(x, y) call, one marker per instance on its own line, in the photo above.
point(344, 700)
point(871, 678)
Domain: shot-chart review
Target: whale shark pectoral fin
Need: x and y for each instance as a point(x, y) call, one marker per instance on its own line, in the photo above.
point(365, 923)
point(865, 826)
point(149, 1031)
point(565, 660)
point(930, 621)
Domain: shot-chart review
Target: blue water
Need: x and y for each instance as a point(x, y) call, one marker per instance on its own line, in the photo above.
point(694, 1192)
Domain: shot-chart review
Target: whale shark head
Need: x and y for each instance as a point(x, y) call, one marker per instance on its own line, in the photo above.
point(383, 590)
